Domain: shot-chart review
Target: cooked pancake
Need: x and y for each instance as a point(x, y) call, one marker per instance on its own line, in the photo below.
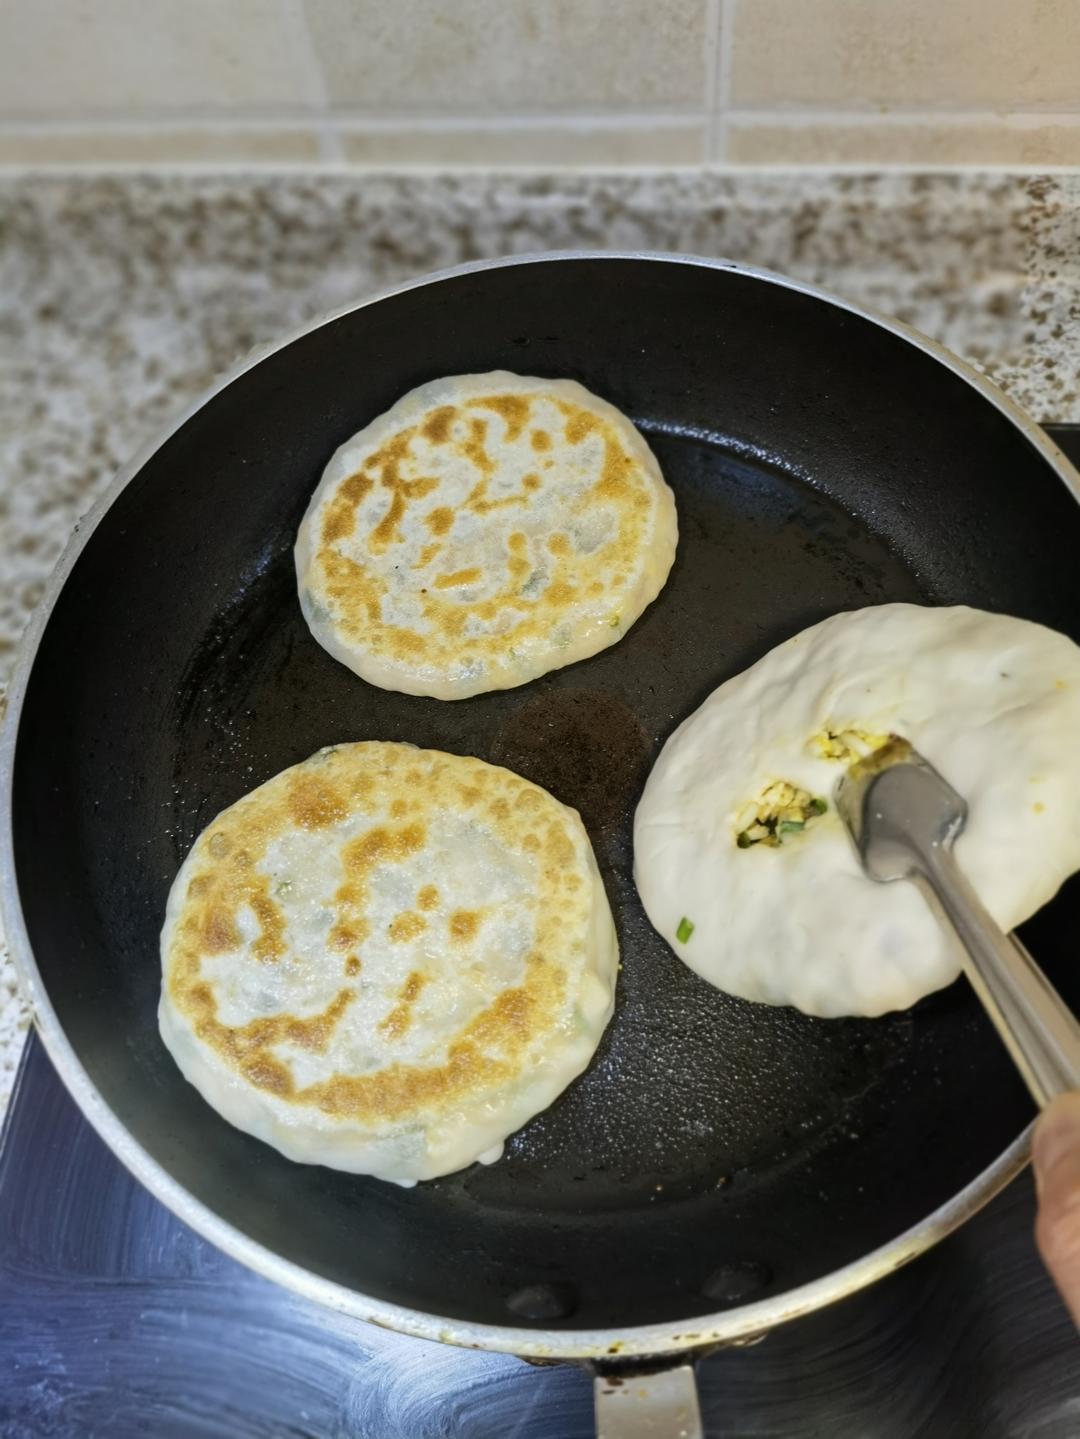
point(387, 959)
point(744, 865)
point(485, 530)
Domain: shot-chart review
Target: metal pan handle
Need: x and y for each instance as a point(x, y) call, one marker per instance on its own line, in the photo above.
point(648, 1406)
point(1039, 1030)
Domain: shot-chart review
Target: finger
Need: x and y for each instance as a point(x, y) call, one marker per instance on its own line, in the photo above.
point(1056, 1157)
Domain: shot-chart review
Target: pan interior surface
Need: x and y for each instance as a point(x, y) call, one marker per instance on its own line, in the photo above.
point(715, 1152)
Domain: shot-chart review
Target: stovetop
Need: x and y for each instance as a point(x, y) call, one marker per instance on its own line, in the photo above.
point(117, 1320)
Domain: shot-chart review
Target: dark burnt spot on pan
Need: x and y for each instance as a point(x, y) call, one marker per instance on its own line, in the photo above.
point(588, 749)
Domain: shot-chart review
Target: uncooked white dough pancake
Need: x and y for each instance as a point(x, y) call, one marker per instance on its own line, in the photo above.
point(485, 530)
point(387, 959)
point(742, 861)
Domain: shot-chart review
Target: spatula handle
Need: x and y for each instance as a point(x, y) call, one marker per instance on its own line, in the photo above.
point(1039, 1030)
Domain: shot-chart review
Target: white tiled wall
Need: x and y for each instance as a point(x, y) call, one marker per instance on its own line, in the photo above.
point(541, 82)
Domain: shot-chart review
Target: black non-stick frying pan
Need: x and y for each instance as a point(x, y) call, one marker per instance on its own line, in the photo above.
point(721, 1166)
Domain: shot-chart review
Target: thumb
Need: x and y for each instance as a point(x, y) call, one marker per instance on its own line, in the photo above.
point(1056, 1156)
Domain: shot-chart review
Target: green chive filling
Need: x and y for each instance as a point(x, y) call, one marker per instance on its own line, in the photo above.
point(782, 809)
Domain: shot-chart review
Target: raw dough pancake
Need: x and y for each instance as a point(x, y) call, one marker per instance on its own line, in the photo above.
point(744, 865)
point(387, 959)
point(485, 530)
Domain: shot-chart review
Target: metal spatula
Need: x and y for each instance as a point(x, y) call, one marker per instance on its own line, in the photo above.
point(904, 818)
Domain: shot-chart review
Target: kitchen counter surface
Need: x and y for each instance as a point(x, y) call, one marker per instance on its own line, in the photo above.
point(123, 297)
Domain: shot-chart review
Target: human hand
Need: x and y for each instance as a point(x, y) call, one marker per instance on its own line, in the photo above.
point(1056, 1157)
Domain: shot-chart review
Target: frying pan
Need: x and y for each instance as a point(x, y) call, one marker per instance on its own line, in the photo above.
point(721, 1167)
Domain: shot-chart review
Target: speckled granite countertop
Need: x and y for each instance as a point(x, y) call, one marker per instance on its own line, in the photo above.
point(121, 298)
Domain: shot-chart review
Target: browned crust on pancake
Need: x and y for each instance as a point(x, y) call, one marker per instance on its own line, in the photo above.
point(354, 586)
point(375, 779)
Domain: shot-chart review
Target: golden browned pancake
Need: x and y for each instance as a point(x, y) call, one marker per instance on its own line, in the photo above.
point(387, 959)
point(486, 529)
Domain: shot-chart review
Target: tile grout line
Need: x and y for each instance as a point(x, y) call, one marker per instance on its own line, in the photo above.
point(308, 119)
point(327, 134)
point(561, 170)
point(711, 60)
point(717, 95)
point(883, 119)
point(718, 126)
point(374, 122)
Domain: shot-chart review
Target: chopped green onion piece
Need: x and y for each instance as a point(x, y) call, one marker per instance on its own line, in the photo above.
point(615, 621)
point(685, 930)
point(789, 826)
point(819, 806)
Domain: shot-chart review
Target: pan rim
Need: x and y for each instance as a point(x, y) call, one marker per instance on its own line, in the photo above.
point(672, 1337)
